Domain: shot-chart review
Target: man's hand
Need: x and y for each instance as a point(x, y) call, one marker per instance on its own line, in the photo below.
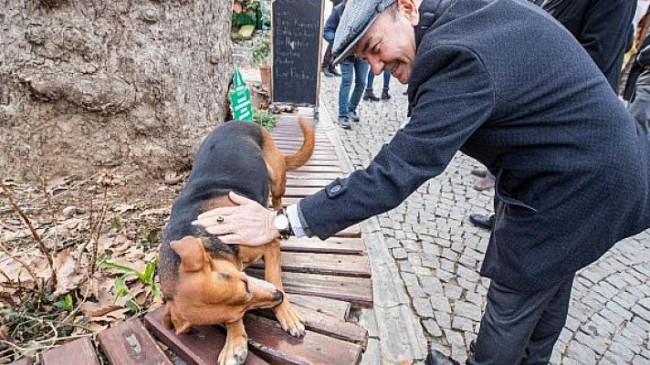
point(247, 223)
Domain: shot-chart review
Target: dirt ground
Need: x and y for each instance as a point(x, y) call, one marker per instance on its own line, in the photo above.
point(101, 232)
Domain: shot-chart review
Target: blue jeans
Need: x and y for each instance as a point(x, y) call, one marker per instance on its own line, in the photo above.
point(358, 69)
point(371, 79)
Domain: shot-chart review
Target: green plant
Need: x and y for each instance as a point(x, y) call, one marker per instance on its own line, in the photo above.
point(265, 119)
point(245, 12)
point(65, 303)
point(146, 277)
point(261, 48)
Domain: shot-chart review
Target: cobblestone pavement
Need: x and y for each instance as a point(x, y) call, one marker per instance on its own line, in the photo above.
point(439, 253)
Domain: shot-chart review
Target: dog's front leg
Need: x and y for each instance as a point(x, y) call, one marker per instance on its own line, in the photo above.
point(235, 350)
point(285, 313)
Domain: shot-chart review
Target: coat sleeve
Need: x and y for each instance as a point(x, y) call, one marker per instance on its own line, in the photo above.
point(454, 99)
point(606, 30)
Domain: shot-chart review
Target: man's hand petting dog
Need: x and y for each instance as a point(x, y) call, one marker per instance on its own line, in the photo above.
point(248, 223)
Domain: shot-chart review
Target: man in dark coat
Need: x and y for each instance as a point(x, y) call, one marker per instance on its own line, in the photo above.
point(603, 28)
point(506, 84)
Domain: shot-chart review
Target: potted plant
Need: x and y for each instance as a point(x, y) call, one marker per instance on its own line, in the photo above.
point(260, 52)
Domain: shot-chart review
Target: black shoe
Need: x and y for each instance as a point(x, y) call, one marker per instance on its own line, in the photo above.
point(334, 72)
point(436, 357)
point(482, 221)
point(370, 96)
point(385, 95)
point(328, 72)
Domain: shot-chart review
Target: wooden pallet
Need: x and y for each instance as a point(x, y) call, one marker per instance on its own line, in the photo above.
point(323, 279)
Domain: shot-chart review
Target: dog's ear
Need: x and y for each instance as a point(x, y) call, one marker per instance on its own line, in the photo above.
point(191, 251)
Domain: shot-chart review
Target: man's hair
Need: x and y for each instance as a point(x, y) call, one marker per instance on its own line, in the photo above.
point(393, 10)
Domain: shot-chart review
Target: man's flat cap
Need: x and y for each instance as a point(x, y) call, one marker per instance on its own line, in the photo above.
point(357, 17)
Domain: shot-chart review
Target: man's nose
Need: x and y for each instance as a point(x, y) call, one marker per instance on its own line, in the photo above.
point(376, 65)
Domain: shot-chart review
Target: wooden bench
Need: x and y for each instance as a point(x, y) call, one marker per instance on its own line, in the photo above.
point(323, 279)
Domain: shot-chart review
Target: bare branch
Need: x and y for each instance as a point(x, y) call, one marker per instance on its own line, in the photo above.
point(37, 237)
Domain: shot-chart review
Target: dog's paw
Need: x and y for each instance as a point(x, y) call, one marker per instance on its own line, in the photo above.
point(233, 355)
point(290, 320)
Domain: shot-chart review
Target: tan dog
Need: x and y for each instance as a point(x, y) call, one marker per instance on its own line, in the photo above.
point(201, 277)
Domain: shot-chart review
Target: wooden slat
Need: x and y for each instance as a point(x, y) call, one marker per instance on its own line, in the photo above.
point(331, 162)
point(325, 264)
point(326, 325)
point(278, 347)
point(129, 343)
point(199, 347)
point(78, 352)
point(352, 231)
point(23, 361)
point(338, 245)
point(357, 291)
point(337, 309)
point(301, 192)
point(313, 182)
point(292, 137)
point(318, 169)
point(331, 157)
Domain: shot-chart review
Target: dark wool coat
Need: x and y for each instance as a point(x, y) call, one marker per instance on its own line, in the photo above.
point(504, 83)
point(603, 27)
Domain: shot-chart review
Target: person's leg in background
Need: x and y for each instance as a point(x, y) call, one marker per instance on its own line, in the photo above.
point(347, 72)
point(327, 61)
point(369, 95)
point(384, 92)
point(360, 76)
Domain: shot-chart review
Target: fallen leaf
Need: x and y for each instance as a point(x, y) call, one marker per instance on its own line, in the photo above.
point(171, 178)
point(68, 276)
point(94, 309)
point(123, 208)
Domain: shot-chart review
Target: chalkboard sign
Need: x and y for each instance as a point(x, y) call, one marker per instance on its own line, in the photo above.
point(297, 28)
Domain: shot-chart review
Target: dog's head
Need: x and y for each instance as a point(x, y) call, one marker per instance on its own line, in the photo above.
point(211, 290)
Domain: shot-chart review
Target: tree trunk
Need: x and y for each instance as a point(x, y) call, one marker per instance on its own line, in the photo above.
point(86, 84)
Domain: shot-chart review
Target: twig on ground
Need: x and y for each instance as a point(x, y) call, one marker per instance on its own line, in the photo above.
point(37, 237)
point(29, 270)
point(50, 209)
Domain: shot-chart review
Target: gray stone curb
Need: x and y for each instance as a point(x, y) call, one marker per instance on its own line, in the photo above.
point(395, 331)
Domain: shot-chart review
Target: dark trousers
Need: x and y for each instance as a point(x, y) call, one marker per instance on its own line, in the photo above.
point(521, 327)
point(327, 58)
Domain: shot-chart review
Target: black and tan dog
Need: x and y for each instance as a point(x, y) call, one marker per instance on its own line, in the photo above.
point(202, 278)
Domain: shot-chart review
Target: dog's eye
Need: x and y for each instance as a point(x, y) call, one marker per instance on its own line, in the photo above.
point(248, 290)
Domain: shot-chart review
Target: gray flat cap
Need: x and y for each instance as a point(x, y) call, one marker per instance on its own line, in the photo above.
point(357, 17)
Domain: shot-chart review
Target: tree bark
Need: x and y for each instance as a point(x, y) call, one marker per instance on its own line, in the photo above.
point(86, 84)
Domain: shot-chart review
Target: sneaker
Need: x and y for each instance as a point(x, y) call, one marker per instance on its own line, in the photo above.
point(370, 96)
point(334, 72)
point(385, 95)
point(353, 117)
point(344, 123)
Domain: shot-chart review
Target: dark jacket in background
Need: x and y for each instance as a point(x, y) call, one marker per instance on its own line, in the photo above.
point(602, 27)
point(332, 23)
point(636, 70)
point(573, 174)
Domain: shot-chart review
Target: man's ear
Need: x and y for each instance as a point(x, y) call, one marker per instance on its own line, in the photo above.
point(191, 251)
point(410, 9)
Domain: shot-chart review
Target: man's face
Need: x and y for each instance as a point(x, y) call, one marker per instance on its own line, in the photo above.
point(389, 44)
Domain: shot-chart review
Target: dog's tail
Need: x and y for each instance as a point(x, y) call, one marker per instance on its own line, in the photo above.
point(304, 153)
